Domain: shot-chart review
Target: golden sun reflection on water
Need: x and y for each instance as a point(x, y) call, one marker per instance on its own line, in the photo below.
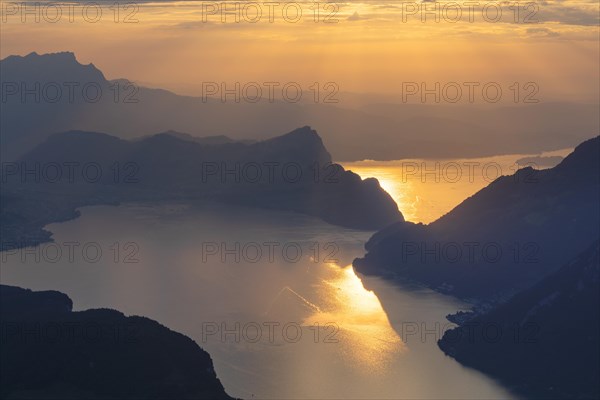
point(419, 200)
point(425, 190)
point(357, 312)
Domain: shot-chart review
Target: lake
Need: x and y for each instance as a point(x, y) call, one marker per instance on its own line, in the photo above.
point(270, 295)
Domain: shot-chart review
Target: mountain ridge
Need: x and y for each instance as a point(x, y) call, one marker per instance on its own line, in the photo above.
point(352, 133)
point(154, 362)
point(293, 172)
point(518, 214)
point(543, 330)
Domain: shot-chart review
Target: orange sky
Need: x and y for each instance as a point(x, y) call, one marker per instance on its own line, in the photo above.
point(372, 48)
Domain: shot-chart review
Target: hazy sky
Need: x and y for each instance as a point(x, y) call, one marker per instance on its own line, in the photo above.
point(364, 47)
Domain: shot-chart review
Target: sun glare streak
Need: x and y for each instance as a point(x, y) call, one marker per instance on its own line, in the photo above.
point(360, 317)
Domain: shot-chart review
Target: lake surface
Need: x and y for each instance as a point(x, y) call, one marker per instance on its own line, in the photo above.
point(270, 295)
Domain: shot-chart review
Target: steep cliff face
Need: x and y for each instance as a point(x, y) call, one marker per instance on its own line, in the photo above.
point(545, 341)
point(504, 238)
point(49, 351)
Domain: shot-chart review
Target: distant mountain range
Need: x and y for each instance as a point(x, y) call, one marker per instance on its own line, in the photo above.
point(504, 238)
point(352, 132)
point(207, 140)
point(292, 172)
point(544, 342)
point(50, 351)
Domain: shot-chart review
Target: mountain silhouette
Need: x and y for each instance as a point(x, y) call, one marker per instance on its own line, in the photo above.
point(292, 172)
point(502, 239)
point(50, 351)
point(544, 342)
point(352, 132)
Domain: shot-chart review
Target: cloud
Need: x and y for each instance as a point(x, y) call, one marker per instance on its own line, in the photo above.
point(542, 32)
point(568, 15)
